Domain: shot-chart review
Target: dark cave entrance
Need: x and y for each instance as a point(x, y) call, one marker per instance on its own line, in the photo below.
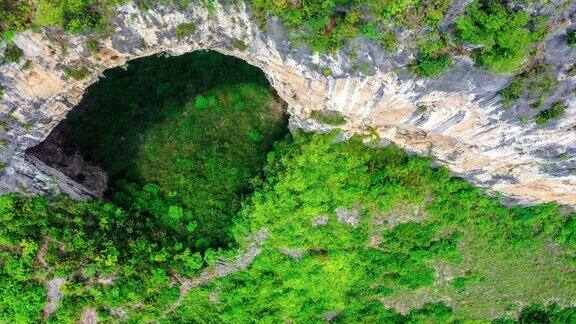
point(180, 136)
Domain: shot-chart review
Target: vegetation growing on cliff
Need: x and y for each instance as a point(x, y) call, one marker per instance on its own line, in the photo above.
point(501, 34)
point(350, 229)
point(535, 84)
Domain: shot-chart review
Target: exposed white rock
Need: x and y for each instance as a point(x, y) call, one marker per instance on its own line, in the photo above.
point(463, 126)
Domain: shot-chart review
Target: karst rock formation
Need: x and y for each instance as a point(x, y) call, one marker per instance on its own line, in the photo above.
point(456, 118)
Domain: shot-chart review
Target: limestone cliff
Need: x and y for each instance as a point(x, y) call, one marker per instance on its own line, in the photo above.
point(457, 118)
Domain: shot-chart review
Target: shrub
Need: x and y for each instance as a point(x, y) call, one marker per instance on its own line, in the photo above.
point(430, 66)
point(572, 38)
point(503, 35)
point(72, 15)
point(433, 58)
point(92, 46)
point(185, 30)
point(536, 83)
point(546, 116)
point(240, 45)
point(2, 91)
point(76, 73)
point(13, 53)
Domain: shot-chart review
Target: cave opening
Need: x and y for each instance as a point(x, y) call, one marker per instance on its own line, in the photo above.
point(179, 140)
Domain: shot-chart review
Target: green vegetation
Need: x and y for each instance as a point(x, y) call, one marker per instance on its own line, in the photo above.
point(72, 15)
point(326, 25)
point(555, 111)
point(349, 227)
point(332, 118)
point(13, 53)
point(535, 83)
point(572, 38)
point(15, 15)
point(184, 30)
point(407, 222)
point(2, 91)
point(77, 73)
point(240, 45)
point(504, 36)
point(433, 58)
point(92, 45)
point(188, 136)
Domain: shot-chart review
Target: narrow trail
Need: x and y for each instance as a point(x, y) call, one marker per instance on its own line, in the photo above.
point(221, 269)
point(243, 260)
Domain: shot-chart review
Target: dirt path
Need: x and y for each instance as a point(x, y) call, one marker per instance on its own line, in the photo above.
point(222, 269)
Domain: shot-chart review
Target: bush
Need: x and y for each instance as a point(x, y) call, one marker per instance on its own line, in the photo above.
point(13, 53)
point(92, 46)
point(536, 83)
point(431, 66)
point(185, 30)
point(76, 73)
point(548, 115)
point(504, 36)
point(433, 58)
point(572, 38)
point(72, 15)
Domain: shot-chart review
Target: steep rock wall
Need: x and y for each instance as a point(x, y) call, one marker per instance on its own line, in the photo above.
point(457, 117)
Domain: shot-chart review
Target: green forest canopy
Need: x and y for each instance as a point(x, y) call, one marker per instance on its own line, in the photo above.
point(350, 228)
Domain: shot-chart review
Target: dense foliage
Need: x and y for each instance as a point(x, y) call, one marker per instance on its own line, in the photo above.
point(502, 34)
point(414, 223)
point(189, 135)
point(349, 227)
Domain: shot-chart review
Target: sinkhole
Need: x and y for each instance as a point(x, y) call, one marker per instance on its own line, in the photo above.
point(180, 140)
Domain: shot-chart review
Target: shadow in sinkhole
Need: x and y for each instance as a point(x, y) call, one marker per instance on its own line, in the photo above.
point(180, 139)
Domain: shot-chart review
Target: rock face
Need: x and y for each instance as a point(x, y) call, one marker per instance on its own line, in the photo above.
point(457, 117)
